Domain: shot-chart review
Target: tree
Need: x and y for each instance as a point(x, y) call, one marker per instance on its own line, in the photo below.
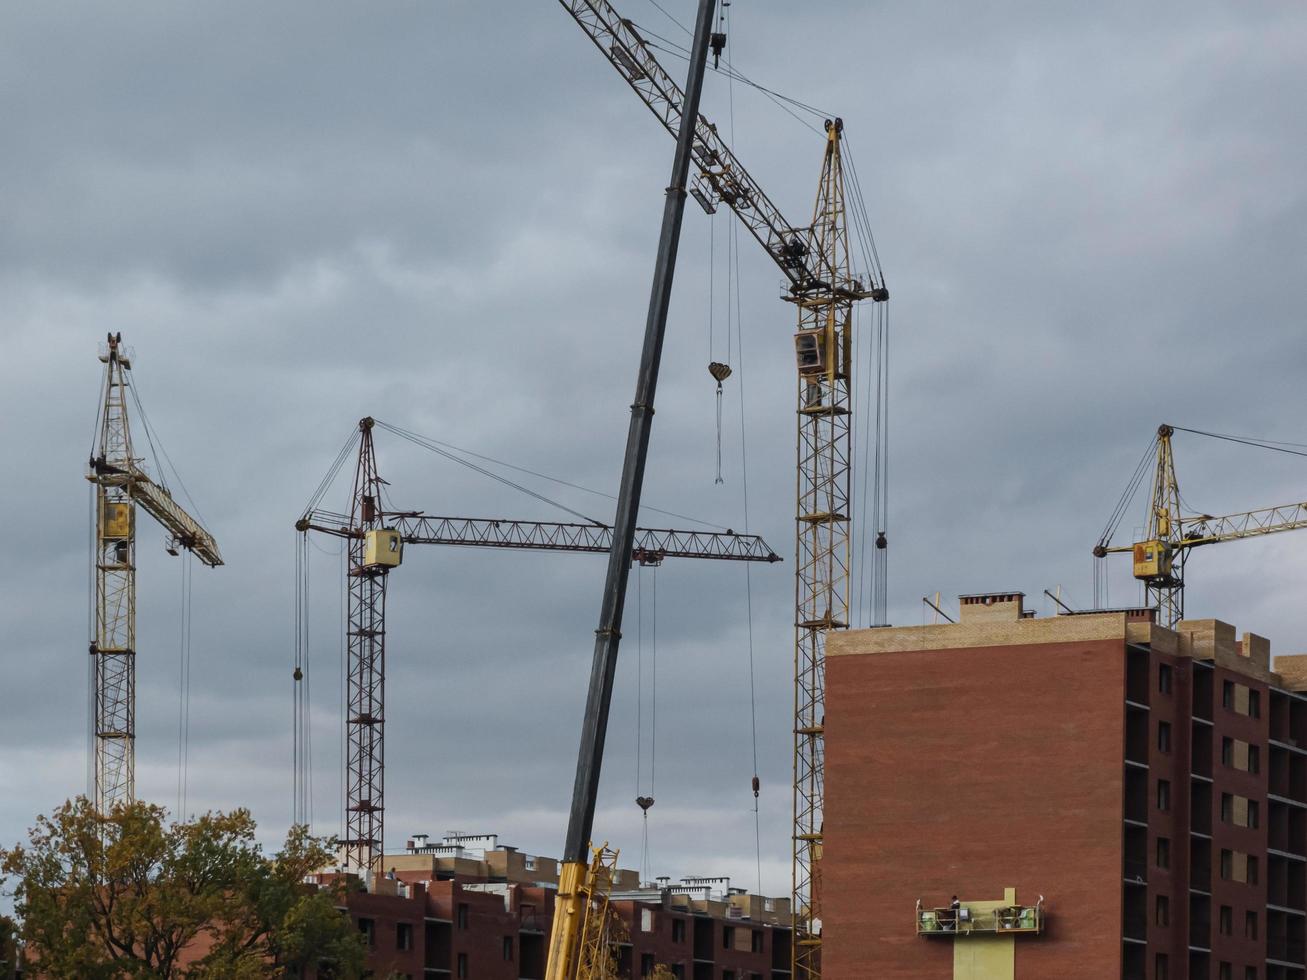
point(125, 895)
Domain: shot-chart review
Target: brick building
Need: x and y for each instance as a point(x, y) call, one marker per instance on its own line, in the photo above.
point(1139, 793)
point(470, 907)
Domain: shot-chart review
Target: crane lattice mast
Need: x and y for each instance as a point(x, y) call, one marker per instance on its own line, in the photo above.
point(815, 262)
point(120, 485)
point(376, 539)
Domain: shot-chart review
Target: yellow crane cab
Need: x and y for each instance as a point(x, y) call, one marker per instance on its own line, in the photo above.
point(1152, 559)
point(383, 548)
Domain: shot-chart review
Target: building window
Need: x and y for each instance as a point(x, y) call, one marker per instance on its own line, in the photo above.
point(1237, 866)
point(1250, 973)
point(462, 964)
point(460, 915)
point(1227, 695)
point(1162, 967)
point(728, 975)
point(1225, 972)
point(1227, 916)
point(1163, 911)
point(1250, 925)
point(1254, 814)
point(1254, 704)
point(1163, 736)
point(1252, 870)
point(1163, 852)
point(1164, 678)
point(369, 929)
point(1227, 751)
point(756, 941)
point(1254, 759)
point(646, 964)
point(678, 930)
point(728, 937)
point(1163, 794)
point(1238, 754)
point(508, 949)
point(404, 936)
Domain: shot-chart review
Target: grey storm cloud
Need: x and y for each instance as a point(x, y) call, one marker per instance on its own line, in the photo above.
point(1092, 220)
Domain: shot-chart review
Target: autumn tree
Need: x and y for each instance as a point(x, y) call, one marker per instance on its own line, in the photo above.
point(128, 895)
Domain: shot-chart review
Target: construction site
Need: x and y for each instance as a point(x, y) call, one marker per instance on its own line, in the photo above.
point(768, 751)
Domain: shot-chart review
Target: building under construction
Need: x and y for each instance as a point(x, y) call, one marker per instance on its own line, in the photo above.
point(1087, 796)
point(467, 906)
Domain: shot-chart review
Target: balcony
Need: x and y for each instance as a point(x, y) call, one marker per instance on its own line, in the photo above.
point(981, 919)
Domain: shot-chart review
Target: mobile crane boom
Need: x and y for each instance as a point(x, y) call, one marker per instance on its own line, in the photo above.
point(814, 259)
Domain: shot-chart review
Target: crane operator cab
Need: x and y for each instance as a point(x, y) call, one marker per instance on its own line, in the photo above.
point(383, 548)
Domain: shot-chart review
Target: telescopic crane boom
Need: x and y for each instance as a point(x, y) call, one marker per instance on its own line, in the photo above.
point(120, 486)
point(376, 538)
point(1159, 560)
point(814, 259)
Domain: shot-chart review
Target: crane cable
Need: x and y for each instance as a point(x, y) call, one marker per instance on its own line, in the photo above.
point(642, 800)
point(184, 687)
point(734, 311)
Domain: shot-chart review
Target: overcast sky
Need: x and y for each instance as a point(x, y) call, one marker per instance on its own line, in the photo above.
point(1091, 218)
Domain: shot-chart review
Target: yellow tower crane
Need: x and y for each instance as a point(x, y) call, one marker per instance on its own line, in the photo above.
point(819, 281)
point(120, 486)
point(1159, 559)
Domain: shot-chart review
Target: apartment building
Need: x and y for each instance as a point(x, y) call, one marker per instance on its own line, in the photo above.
point(1104, 796)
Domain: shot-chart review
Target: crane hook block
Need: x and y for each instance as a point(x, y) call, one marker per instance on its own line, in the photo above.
point(717, 41)
point(719, 371)
point(882, 542)
point(644, 802)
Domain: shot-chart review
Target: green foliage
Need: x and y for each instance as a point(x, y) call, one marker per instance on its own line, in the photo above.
point(127, 895)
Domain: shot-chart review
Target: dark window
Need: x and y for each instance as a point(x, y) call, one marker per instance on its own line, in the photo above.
point(404, 936)
point(1227, 751)
point(368, 928)
point(461, 915)
point(1163, 852)
point(1162, 967)
point(1163, 736)
point(1253, 814)
point(728, 937)
point(1224, 972)
point(1164, 678)
point(756, 941)
point(1163, 911)
point(508, 948)
point(1254, 759)
point(1227, 864)
point(462, 964)
point(678, 930)
point(1163, 794)
point(1252, 870)
point(1227, 918)
point(1250, 925)
point(1227, 694)
point(646, 964)
point(1250, 973)
point(1254, 704)
point(728, 975)
point(1227, 808)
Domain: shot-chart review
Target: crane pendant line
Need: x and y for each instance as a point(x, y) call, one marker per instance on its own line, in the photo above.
point(120, 486)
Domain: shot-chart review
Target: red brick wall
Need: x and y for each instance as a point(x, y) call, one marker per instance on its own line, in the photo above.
point(968, 771)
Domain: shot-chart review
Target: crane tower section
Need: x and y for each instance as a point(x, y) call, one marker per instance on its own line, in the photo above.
point(823, 349)
point(120, 485)
point(114, 554)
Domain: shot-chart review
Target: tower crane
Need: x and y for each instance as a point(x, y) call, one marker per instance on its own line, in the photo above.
point(121, 485)
point(376, 537)
point(814, 259)
point(1159, 559)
